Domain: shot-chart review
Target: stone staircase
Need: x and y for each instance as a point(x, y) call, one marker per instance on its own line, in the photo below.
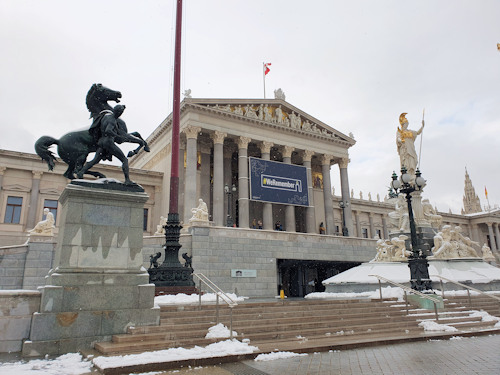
point(298, 325)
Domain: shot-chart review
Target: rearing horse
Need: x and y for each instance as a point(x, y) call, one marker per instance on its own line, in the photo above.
point(74, 147)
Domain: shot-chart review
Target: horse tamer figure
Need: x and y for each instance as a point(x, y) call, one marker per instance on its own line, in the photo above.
point(106, 131)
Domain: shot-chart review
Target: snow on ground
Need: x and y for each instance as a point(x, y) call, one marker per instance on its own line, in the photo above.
point(218, 349)
point(387, 292)
point(485, 317)
point(476, 271)
point(193, 299)
point(430, 325)
point(67, 364)
point(219, 331)
point(277, 355)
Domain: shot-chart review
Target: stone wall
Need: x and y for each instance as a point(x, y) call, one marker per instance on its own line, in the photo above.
point(218, 250)
point(12, 261)
point(17, 307)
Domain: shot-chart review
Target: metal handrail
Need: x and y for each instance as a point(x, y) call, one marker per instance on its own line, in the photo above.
point(467, 287)
point(219, 293)
point(407, 289)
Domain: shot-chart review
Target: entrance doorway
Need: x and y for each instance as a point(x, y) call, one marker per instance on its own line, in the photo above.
point(298, 278)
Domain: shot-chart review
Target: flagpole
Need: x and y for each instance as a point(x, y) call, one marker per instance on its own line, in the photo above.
point(421, 136)
point(264, 77)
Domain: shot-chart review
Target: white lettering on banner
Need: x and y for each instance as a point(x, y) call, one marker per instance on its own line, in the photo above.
point(280, 183)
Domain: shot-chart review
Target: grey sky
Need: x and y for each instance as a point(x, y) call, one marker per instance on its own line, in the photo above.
point(355, 65)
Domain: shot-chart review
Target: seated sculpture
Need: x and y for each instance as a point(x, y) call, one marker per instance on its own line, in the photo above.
point(200, 213)
point(160, 228)
point(45, 227)
point(450, 243)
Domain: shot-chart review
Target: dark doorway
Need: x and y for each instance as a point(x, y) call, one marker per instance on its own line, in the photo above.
point(300, 277)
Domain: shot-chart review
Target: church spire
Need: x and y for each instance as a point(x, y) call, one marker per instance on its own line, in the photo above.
point(471, 200)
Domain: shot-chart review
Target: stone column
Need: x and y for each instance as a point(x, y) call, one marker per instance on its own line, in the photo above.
point(358, 224)
point(327, 194)
point(182, 180)
point(204, 188)
point(228, 176)
point(346, 198)
point(191, 168)
point(372, 228)
point(475, 234)
point(2, 171)
point(290, 225)
point(493, 245)
point(497, 235)
point(384, 226)
point(267, 209)
point(310, 211)
point(243, 193)
point(218, 194)
point(35, 191)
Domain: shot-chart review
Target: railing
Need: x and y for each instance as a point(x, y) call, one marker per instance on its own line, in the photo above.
point(219, 293)
point(468, 288)
point(407, 290)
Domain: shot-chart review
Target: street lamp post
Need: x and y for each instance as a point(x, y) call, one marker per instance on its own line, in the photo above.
point(229, 192)
point(417, 261)
point(344, 205)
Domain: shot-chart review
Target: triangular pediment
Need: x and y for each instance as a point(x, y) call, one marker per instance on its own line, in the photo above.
point(16, 187)
point(275, 112)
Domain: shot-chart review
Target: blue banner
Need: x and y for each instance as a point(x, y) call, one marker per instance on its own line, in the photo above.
point(276, 182)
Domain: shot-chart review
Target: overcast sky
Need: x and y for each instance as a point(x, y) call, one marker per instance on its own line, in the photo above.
point(355, 65)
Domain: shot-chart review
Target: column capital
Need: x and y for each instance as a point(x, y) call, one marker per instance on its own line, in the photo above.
point(218, 137)
point(286, 151)
point(191, 131)
point(243, 142)
point(265, 147)
point(37, 174)
point(343, 162)
point(326, 159)
point(489, 224)
point(307, 155)
point(2, 170)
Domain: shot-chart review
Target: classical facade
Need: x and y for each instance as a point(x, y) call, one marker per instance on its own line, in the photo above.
point(273, 245)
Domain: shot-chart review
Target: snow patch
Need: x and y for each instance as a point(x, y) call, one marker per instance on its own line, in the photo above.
point(219, 331)
point(430, 325)
point(192, 299)
point(218, 349)
point(278, 355)
point(70, 364)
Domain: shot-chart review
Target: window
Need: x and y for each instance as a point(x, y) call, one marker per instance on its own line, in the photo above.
point(365, 232)
point(379, 233)
point(13, 210)
point(145, 222)
point(52, 206)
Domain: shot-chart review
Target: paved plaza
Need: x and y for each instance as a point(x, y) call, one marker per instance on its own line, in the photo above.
point(474, 355)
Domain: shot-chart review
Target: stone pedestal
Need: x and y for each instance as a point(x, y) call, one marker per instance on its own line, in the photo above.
point(97, 286)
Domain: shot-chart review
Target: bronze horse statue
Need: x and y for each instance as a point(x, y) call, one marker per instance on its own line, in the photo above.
point(74, 147)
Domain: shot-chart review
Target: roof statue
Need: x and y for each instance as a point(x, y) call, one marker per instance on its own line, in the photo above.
point(279, 94)
point(187, 93)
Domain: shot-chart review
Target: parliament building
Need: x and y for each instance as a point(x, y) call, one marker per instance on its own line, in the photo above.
point(254, 243)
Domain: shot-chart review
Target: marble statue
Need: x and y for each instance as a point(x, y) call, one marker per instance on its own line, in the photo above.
point(487, 254)
point(352, 193)
point(45, 227)
point(279, 115)
point(399, 217)
point(306, 125)
point(160, 230)
point(238, 110)
point(200, 213)
point(279, 94)
point(360, 195)
point(369, 196)
point(261, 112)
point(378, 197)
point(250, 112)
point(268, 117)
point(450, 243)
point(392, 250)
point(431, 215)
point(187, 93)
point(405, 141)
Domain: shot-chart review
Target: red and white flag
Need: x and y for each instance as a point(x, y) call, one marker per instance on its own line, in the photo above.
point(266, 68)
